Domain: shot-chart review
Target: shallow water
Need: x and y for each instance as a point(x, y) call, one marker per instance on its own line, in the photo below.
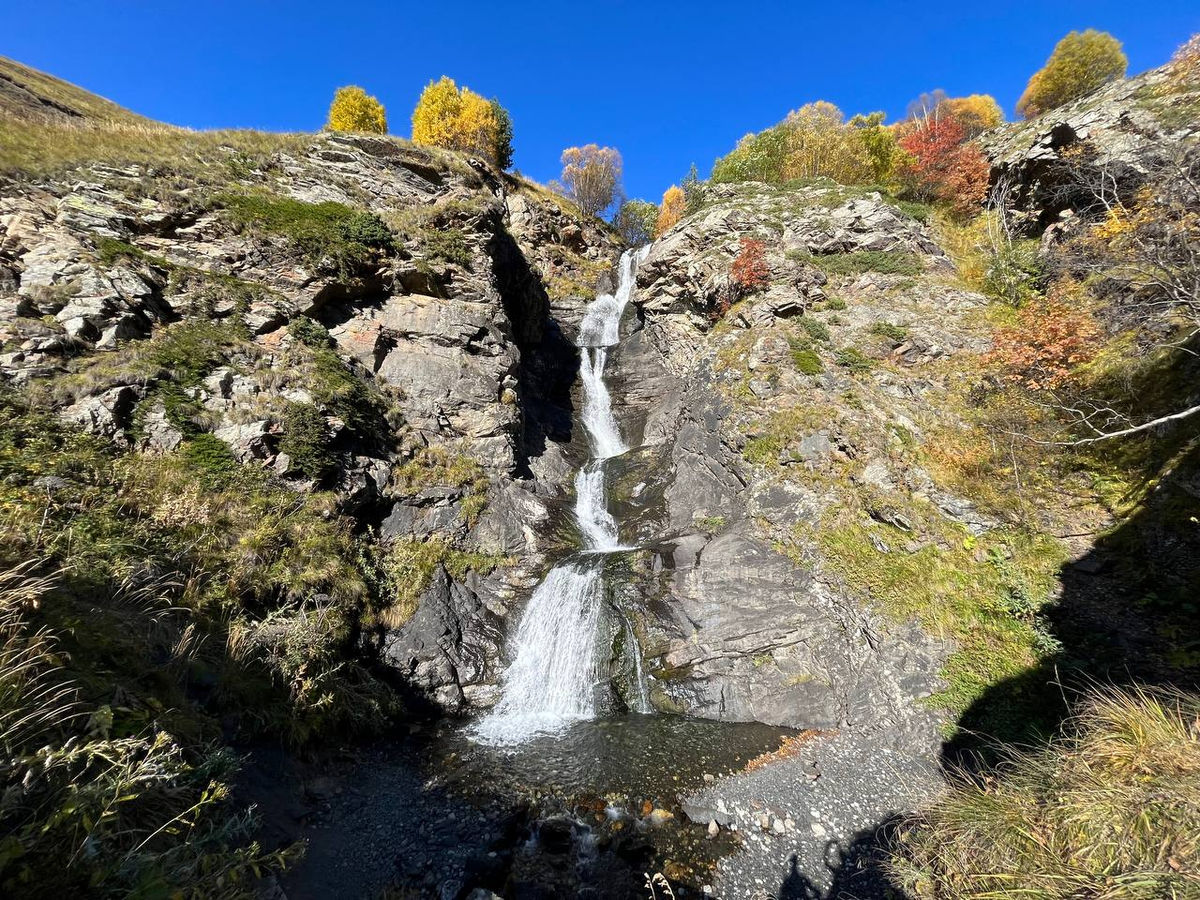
point(634, 757)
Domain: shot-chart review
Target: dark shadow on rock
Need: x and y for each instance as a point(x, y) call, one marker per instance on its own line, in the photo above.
point(1128, 614)
point(549, 360)
point(854, 871)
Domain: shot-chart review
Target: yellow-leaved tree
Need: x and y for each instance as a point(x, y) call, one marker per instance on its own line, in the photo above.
point(974, 114)
point(670, 211)
point(460, 119)
point(1080, 63)
point(819, 144)
point(353, 109)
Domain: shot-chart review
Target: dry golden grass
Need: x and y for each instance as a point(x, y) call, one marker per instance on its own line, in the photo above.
point(1110, 810)
point(43, 149)
point(37, 95)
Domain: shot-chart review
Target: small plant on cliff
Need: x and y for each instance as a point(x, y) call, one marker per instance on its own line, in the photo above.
point(749, 270)
point(1080, 63)
point(353, 109)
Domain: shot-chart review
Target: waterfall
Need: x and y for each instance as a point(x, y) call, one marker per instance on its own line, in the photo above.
point(553, 677)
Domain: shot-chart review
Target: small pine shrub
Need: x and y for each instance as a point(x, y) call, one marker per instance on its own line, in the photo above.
point(894, 333)
point(310, 333)
point(853, 360)
point(306, 440)
point(816, 329)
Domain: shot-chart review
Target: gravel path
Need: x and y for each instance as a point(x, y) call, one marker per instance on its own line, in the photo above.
point(811, 824)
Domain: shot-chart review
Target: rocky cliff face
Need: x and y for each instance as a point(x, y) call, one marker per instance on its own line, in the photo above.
point(798, 410)
point(448, 293)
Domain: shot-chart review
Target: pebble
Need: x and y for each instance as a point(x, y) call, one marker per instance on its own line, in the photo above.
point(713, 828)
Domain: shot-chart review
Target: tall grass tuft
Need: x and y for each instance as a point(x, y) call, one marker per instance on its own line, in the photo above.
point(1109, 810)
point(85, 812)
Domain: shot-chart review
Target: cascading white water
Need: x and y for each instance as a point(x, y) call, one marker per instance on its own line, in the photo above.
point(552, 679)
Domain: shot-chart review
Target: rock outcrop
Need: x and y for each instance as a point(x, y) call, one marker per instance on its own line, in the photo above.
point(1111, 140)
point(451, 315)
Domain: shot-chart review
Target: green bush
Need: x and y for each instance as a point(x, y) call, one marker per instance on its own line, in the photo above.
point(367, 229)
point(891, 262)
point(850, 358)
point(328, 234)
point(835, 303)
point(1014, 272)
point(449, 245)
point(919, 211)
point(310, 333)
point(816, 329)
point(894, 333)
point(306, 440)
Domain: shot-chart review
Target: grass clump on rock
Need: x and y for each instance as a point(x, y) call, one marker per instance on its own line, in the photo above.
point(1111, 809)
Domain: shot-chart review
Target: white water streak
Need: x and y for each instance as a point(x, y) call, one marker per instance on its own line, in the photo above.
point(552, 680)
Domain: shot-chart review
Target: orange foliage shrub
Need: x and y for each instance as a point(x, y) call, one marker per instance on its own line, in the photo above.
point(1050, 338)
point(940, 166)
point(749, 270)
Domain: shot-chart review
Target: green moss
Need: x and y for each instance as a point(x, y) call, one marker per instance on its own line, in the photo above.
point(807, 362)
point(895, 262)
point(711, 524)
point(328, 233)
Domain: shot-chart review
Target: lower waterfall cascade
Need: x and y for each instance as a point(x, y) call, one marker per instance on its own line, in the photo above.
point(553, 677)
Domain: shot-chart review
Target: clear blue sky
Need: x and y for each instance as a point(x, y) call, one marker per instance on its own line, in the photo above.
point(667, 84)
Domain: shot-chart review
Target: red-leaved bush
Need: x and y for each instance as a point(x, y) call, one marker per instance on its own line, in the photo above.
point(749, 271)
point(941, 165)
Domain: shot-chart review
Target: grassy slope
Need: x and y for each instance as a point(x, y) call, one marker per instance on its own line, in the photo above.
point(29, 94)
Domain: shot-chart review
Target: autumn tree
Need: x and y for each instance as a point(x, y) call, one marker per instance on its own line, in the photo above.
point(635, 222)
point(460, 119)
point(590, 176)
point(353, 109)
point(880, 143)
point(819, 144)
point(1080, 63)
point(749, 270)
point(674, 205)
point(939, 166)
point(975, 114)
point(757, 157)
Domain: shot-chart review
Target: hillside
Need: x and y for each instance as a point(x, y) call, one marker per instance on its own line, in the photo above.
point(26, 93)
